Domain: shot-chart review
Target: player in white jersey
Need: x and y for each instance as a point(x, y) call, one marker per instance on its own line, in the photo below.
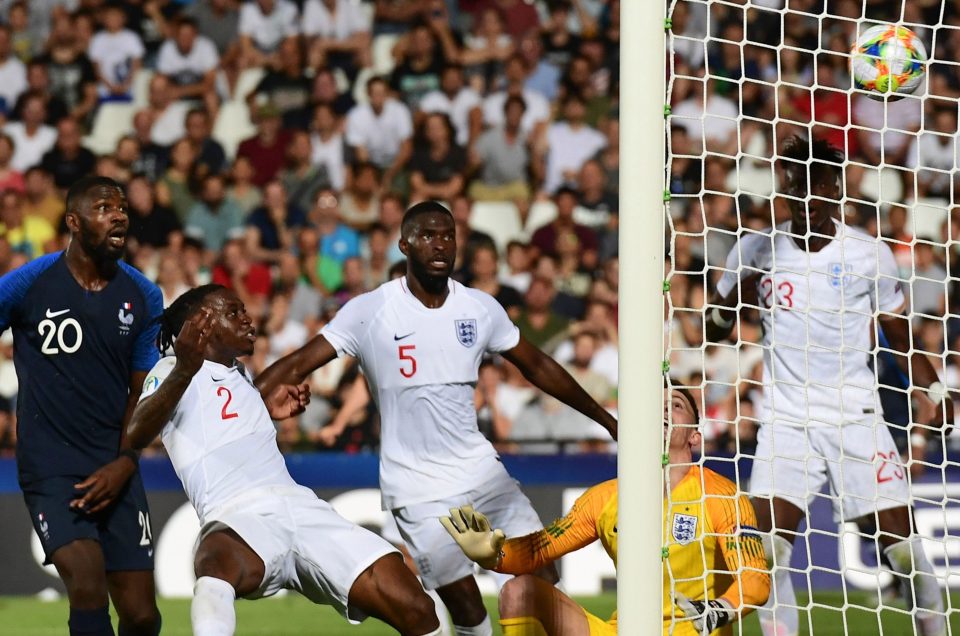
point(420, 340)
point(260, 530)
point(823, 288)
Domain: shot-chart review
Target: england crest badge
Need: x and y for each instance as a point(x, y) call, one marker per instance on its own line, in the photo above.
point(684, 528)
point(466, 331)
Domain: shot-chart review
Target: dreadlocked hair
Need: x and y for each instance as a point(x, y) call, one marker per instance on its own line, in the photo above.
point(173, 317)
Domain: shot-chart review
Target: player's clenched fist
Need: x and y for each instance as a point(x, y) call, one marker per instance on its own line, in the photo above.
point(191, 342)
point(471, 530)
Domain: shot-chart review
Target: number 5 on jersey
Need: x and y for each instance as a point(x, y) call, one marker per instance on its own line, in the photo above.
point(410, 363)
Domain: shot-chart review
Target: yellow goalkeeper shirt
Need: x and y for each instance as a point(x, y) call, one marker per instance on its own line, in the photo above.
point(712, 546)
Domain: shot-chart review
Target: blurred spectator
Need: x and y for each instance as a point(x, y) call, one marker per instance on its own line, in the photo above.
point(564, 304)
point(170, 278)
point(899, 239)
point(250, 280)
point(263, 26)
point(491, 420)
point(267, 149)
point(420, 62)
point(360, 202)
point(168, 115)
point(24, 43)
point(338, 34)
point(327, 145)
point(73, 78)
point(353, 283)
point(544, 76)
point(569, 144)
point(609, 157)
point(545, 238)
point(538, 323)
point(302, 178)
point(933, 154)
point(597, 320)
point(396, 16)
point(468, 239)
point(517, 273)
point(10, 178)
point(218, 20)
point(38, 83)
point(437, 165)
point(175, 187)
point(884, 128)
point(31, 137)
point(380, 131)
point(599, 207)
point(286, 334)
point(41, 200)
point(189, 61)
point(711, 124)
point(28, 235)
point(214, 218)
point(487, 46)
point(242, 189)
point(392, 207)
point(376, 262)
point(304, 299)
point(928, 286)
point(271, 229)
point(67, 161)
point(150, 223)
point(154, 158)
point(572, 278)
point(337, 242)
point(519, 16)
point(503, 157)
point(211, 157)
point(559, 42)
point(537, 113)
point(13, 73)
point(325, 91)
point(287, 86)
point(117, 54)
point(484, 276)
point(460, 103)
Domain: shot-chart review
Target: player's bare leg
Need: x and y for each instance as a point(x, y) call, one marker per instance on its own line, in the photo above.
point(80, 564)
point(777, 520)
point(388, 590)
point(918, 583)
point(438, 605)
point(226, 567)
point(465, 604)
point(134, 596)
point(530, 606)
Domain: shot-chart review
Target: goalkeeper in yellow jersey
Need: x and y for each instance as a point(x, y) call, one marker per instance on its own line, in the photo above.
point(715, 571)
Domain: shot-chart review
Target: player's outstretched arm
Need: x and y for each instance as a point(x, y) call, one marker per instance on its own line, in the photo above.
point(294, 368)
point(154, 411)
point(545, 374)
point(720, 315)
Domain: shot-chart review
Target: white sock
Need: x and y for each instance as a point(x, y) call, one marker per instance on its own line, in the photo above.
point(212, 612)
point(779, 615)
point(483, 629)
point(920, 586)
point(441, 609)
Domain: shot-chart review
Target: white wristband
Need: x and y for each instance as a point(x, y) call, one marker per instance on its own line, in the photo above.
point(936, 392)
point(917, 439)
point(718, 319)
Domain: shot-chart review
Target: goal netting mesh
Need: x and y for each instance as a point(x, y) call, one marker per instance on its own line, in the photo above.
point(743, 77)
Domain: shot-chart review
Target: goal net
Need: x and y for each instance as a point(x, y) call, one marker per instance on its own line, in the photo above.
point(785, 409)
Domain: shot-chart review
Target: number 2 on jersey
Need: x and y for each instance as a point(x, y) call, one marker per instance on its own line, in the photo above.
point(783, 292)
point(224, 414)
point(404, 353)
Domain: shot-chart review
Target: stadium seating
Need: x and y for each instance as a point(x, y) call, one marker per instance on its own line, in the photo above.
point(541, 213)
point(927, 216)
point(233, 125)
point(113, 121)
point(499, 219)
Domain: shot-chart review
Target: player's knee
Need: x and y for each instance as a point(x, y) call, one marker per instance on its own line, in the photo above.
point(140, 621)
point(418, 615)
point(87, 593)
point(516, 596)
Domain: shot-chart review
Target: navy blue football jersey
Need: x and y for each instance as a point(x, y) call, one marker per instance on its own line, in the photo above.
point(74, 351)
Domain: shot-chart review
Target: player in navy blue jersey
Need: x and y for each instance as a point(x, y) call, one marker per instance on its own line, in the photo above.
point(85, 326)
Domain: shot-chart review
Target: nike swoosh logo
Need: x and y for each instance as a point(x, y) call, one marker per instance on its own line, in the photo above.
point(54, 314)
point(396, 337)
point(217, 379)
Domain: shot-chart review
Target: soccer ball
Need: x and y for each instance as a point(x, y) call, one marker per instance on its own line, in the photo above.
point(888, 62)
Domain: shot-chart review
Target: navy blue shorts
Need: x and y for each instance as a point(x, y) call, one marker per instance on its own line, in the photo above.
point(123, 530)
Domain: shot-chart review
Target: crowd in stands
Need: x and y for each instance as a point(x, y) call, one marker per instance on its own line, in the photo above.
point(763, 76)
point(272, 146)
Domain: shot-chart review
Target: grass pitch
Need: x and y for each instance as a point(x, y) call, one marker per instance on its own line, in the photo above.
point(292, 615)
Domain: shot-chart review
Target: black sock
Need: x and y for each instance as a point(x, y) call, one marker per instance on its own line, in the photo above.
point(95, 622)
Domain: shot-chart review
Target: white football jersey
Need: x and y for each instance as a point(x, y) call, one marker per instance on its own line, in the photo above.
point(220, 438)
point(818, 310)
point(421, 365)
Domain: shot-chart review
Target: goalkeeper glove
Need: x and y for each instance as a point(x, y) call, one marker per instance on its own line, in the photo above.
point(706, 615)
point(471, 530)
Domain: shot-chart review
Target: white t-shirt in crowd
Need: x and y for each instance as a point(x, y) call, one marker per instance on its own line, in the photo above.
point(220, 438)
point(13, 81)
point(348, 18)
point(893, 121)
point(939, 152)
point(115, 53)
point(538, 110)
point(330, 154)
point(268, 31)
point(457, 109)
point(191, 67)
point(568, 149)
point(29, 150)
point(380, 134)
point(421, 365)
point(717, 121)
point(818, 312)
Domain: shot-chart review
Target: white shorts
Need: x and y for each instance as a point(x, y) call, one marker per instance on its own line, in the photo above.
point(438, 557)
point(304, 544)
point(858, 459)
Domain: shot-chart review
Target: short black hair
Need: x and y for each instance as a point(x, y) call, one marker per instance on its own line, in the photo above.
point(419, 209)
point(79, 191)
point(685, 392)
point(173, 317)
point(797, 151)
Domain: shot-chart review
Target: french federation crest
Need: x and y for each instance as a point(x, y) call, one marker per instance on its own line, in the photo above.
point(466, 331)
point(684, 528)
point(840, 272)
